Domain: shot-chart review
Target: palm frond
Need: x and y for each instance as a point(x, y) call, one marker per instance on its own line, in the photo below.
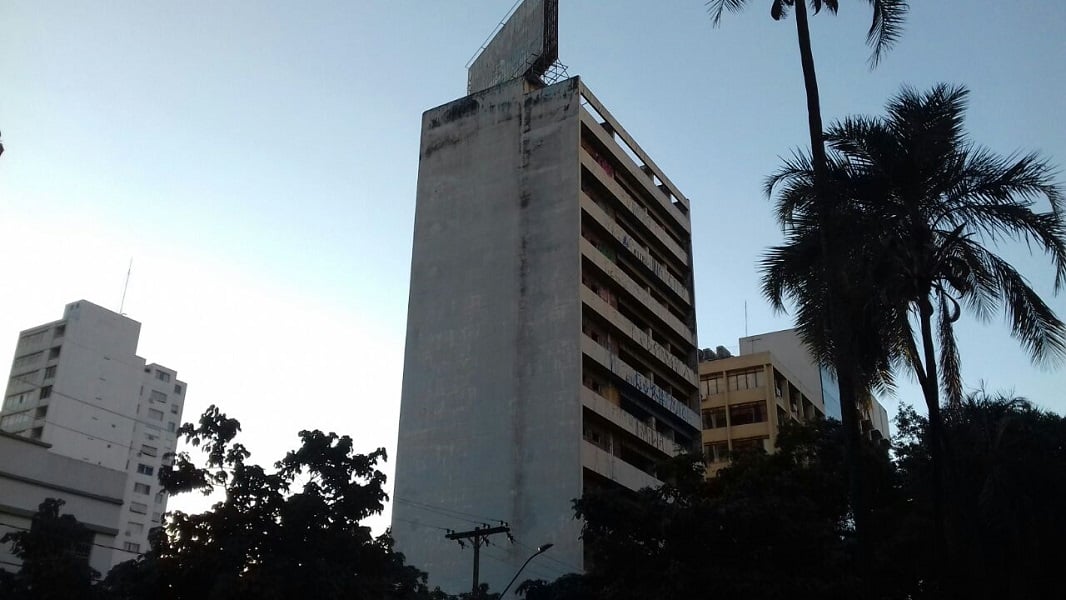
point(830, 5)
point(885, 27)
point(779, 9)
point(950, 363)
point(715, 8)
point(1032, 322)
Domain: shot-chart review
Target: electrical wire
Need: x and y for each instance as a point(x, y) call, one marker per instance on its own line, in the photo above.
point(90, 543)
point(458, 514)
point(40, 386)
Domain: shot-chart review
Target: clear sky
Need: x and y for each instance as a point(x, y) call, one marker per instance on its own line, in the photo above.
point(257, 160)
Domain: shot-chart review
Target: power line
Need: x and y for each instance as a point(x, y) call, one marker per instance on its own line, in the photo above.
point(570, 568)
point(420, 523)
point(57, 535)
point(481, 519)
point(40, 386)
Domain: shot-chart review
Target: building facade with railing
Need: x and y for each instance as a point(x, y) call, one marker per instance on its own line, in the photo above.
point(551, 334)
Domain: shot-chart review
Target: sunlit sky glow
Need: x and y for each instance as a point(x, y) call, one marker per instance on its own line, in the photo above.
point(257, 160)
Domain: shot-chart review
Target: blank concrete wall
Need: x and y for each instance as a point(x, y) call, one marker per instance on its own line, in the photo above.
point(490, 424)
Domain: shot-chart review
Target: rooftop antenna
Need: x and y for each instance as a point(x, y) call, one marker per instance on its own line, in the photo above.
point(125, 287)
point(745, 318)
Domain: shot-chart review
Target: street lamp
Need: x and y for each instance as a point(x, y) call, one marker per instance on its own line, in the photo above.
point(540, 550)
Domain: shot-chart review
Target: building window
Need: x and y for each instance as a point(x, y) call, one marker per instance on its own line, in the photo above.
point(155, 414)
point(46, 392)
point(131, 547)
point(159, 498)
point(155, 517)
point(174, 409)
point(743, 414)
point(144, 469)
point(713, 418)
point(139, 508)
point(36, 433)
point(14, 401)
point(135, 528)
point(157, 396)
point(172, 426)
point(747, 380)
point(32, 339)
point(716, 452)
point(16, 422)
point(53, 352)
point(749, 445)
point(149, 450)
point(161, 376)
point(142, 488)
point(26, 359)
point(711, 386)
point(59, 331)
point(177, 389)
point(42, 412)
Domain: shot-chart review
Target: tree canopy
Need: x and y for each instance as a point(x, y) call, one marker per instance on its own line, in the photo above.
point(291, 532)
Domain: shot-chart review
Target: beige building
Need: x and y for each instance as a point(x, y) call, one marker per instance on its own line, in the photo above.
point(744, 399)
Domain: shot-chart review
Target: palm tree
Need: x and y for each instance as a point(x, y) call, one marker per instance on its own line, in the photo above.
point(885, 28)
point(921, 206)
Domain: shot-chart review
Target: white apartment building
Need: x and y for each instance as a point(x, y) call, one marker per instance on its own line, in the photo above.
point(78, 385)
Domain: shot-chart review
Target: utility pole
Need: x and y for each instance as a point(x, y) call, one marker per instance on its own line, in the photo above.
point(479, 535)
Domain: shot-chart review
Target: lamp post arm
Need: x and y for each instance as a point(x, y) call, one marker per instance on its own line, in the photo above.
point(540, 550)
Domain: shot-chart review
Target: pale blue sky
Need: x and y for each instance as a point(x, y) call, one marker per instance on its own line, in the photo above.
point(258, 161)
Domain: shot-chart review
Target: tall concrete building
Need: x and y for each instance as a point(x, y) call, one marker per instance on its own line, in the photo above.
point(551, 341)
point(78, 385)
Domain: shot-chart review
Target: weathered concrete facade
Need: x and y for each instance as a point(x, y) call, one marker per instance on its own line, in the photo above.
point(551, 327)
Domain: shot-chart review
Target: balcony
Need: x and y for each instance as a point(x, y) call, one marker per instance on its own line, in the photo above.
point(638, 165)
point(635, 249)
point(633, 289)
point(614, 414)
point(599, 461)
point(634, 208)
point(645, 386)
point(636, 335)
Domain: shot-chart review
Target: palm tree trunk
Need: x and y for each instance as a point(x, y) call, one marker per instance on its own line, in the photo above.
point(810, 84)
point(838, 330)
point(931, 390)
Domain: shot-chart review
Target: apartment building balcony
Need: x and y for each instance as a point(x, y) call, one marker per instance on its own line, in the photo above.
point(636, 336)
point(626, 422)
point(633, 208)
point(631, 376)
point(637, 292)
point(639, 168)
point(614, 468)
point(635, 248)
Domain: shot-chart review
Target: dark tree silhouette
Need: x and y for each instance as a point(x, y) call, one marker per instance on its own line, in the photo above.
point(838, 338)
point(55, 557)
point(919, 208)
point(1008, 483)
point(290, 532)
